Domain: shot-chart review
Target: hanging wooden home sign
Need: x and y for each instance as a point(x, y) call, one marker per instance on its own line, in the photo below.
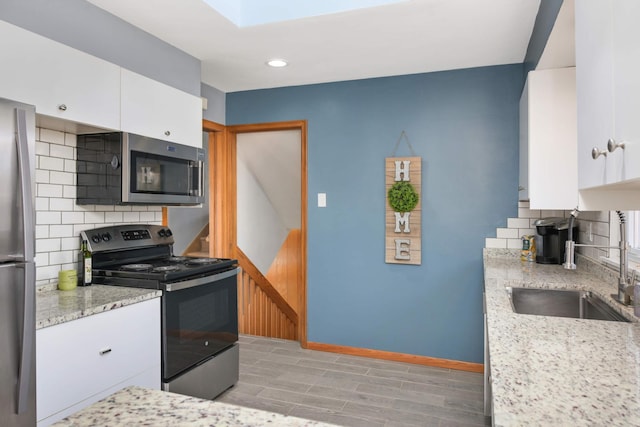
point(403, 223)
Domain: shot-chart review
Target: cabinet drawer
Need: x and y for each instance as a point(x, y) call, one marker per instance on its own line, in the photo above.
point(81, 358)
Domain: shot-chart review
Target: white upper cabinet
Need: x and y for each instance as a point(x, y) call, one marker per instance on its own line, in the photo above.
point(154, 109)
point(60, 81)
point(608, 90)
point(69, 84)
point(626, 85)
point(548, 141)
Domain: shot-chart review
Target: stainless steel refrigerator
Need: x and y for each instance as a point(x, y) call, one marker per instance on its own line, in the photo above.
point(17, 267)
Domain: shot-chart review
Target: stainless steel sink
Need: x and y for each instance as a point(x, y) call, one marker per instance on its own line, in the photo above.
point(562, 303)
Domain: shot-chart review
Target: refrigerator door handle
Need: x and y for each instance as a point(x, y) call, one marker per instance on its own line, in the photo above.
point(27, 347)
point(26, 185)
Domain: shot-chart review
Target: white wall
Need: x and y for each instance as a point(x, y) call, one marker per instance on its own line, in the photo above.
point(58, 219)
point(261, 232)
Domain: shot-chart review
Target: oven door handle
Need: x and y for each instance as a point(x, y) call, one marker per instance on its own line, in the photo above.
point(178, 286)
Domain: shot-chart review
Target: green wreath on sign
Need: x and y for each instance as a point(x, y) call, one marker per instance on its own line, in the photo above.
point(403, 197)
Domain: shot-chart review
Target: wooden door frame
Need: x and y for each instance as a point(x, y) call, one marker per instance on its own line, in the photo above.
point(223, 195)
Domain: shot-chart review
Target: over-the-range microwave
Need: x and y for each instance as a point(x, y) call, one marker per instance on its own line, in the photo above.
point(120, 168)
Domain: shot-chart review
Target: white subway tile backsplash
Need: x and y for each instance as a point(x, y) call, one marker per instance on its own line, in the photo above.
point(517, 223)
point(62, 257)
point(147, 216)
point(60, 230)
point(42, 148)
point(59, 220)
point(42, 204)
point(47, 245)
point(69, 192)
point(70, 243)
point(51, 163)
point(42, 231)
point(528, 213)
point(131, 216)
point(42, 259)
point(49, 272)
point(42, 176)
point(65, 178)
point(62, 151)
point(507, 233)
point(54, 136)
point(514, 243)
point(49, 190)
point(59, 204)
point(113, 217)
point(94, 217)
point(72, 217)
point(526, 231)
point(45, 217)
point(70, 166)
point(494, 243)
point(70, 140)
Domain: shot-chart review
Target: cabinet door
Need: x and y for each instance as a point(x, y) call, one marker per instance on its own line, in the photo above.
point(552, 139)
point(594, 80)
point(79, 360)
point(60, 81)
point(626, 87)
point(159, 111)
point(523, 190)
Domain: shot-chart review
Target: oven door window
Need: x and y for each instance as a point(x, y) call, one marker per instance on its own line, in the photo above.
point(198, 323)
point(155, 174)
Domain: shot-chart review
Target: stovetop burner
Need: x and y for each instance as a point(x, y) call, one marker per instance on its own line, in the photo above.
point(177, 258)
point(201, 261)
point(166, 268)
point(136, 267)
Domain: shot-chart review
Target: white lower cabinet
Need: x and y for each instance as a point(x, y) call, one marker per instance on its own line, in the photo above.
point(85, 360)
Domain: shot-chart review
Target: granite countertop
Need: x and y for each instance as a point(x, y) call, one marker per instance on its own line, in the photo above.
point(54, 306)
point(135, 406)
point(559, 371)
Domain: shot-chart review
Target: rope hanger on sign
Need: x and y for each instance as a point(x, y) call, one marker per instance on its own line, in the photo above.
point(403, 134)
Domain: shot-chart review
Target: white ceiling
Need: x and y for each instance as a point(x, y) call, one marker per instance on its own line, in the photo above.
point(413, 36)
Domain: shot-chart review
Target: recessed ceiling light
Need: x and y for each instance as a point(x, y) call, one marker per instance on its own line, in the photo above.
point(277, 63)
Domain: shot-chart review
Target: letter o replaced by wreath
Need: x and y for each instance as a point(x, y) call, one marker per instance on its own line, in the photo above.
point(403, 197)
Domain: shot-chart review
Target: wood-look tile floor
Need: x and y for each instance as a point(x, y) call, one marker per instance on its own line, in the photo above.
point(280, 376)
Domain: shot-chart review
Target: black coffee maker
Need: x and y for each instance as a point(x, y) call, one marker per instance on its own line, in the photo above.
point(551, 236)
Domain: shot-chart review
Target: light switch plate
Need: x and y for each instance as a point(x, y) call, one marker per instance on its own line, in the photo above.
point(322, 200)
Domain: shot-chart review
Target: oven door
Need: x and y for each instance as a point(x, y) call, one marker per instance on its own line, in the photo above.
point(199, 319)
point(156, 171)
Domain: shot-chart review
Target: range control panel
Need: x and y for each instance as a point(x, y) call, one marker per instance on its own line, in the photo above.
point(126, 237)
point(136, 235)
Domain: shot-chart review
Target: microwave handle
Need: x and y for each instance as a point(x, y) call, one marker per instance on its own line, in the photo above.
point(198, 167)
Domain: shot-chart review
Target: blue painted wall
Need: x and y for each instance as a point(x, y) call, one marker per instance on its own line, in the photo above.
point(545, 20)
point(464, 124)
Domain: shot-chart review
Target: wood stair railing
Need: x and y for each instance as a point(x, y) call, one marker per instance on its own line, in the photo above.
point(261, 309)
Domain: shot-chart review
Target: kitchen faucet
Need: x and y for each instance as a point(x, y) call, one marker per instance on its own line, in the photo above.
point(625, 284)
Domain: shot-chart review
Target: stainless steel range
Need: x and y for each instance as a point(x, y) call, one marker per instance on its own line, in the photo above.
point(199, 303)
